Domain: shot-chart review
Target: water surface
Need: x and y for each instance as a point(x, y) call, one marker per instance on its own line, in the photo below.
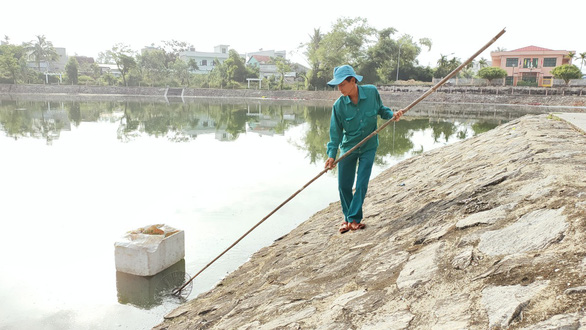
point(76, 176)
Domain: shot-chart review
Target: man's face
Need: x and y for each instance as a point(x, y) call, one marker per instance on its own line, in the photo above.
point(346, 87)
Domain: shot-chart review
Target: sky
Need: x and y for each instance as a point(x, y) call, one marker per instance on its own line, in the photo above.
point(457, 28)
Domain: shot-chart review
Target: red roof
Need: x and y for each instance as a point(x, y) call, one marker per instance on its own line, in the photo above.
point(531, 49)
point(262, 58)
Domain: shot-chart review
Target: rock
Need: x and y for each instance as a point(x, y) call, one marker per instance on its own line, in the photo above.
point(534, 231)
point(452, 312)
point(420, 268)
point(464, 259)
point(399, 320)
point(504, 303)
point(485, 217)
point(562, 321)
point(580, 289)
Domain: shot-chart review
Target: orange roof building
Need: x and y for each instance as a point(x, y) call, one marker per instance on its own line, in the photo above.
point(530, 64)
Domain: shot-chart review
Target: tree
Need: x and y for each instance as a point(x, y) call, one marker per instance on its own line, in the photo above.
point(235, 66)
point(316, 75)
point(105, 57)
point(445, 66)
point(406, 50)
point(283, 66)
point(582, 58)
point(567, 72)
point(125, 63)
point(172, 49)
point(379, 56)
point(482, 62)
point(12, 63)
point(347, 43)
point(153, 68)
point(42, 51)
point(218, 77)
point(122, 56)
point(192, 65)
point(72, 69)
point(181, 71)
point(490, 72)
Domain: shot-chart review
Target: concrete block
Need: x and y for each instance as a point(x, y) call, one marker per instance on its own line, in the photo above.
point(149, 250)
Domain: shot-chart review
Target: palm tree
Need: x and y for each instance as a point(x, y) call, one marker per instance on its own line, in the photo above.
point(571, 55)
point(482, 62)
point(582, 58)
point(42, 50)
point(315, 76)
point(443, 60)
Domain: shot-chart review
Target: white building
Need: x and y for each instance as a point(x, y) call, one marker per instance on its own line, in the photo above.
point(49, 66)
point(205, 60)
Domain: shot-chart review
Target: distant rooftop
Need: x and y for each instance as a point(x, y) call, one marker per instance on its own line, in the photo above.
point(532, 49)
point(262, 58)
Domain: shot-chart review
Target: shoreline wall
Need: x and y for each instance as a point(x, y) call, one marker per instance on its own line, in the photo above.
point(485, 233)
point(562, 96)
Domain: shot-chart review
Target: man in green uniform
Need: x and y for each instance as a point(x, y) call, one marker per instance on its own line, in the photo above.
point(354, 117)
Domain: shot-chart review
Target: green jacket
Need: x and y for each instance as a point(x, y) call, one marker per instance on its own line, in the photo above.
point(351, 123)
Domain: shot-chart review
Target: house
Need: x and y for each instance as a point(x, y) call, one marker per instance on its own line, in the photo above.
point(205, 60)
point(265, 64)
point(85, 64)
point(50, 66)
point(258, 60)
point(267, 68)
point(268, 53)
point(530, 64)
point(109, 68)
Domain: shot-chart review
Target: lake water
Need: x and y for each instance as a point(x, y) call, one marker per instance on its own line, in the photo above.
point(76, 176)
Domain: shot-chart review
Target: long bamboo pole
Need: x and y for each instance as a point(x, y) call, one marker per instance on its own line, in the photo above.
point(414, 103)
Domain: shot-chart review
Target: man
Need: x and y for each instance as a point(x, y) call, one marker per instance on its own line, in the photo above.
point(354, 117)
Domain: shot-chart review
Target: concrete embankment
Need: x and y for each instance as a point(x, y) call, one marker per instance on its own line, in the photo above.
point(485, 233)
point(561, 96)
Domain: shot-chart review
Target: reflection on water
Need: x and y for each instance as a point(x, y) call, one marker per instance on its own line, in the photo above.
point(76, 175)
point(147, 292)
point(182, 122)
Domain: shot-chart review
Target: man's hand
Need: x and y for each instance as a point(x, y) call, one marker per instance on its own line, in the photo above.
point(397, 115)
point(330, 164)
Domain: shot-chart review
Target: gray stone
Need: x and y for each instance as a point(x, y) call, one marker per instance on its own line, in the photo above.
point(392, 321)
point(504, 303)
point(463, 259)
point(289, 318)
point(452, 312)
point(562, 321)
point(534, 231)
point(485, 217)
point(420, 268)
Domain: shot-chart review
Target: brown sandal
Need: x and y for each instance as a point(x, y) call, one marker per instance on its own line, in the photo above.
point(344, 227)
point(356, 226)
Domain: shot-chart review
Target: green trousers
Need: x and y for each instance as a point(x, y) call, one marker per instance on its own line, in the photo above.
point(347, 173)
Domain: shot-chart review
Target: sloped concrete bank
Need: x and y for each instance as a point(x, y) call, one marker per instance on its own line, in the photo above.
point(484, 233)
point(571, 96)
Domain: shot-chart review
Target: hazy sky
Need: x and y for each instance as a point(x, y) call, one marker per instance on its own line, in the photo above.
point(454, 26)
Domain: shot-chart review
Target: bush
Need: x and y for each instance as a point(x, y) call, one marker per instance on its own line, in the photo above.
point(489, 73)
point(86, 80)
point(527, 83)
